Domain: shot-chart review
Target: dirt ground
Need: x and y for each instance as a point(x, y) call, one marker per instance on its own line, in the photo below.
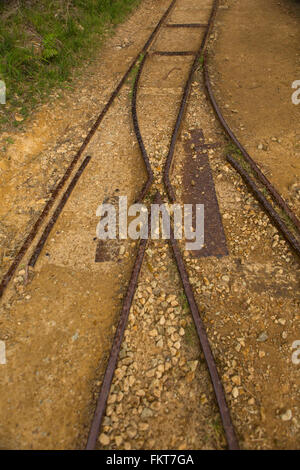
point(58, 323)
point(32, 166)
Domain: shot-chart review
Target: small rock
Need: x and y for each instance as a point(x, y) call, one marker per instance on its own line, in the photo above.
point(153, 333)
point(262, 337)
point(104, 439)
point(146, 413)
point(118, 440)
point(193, 365)
point(236, 379)
point(143, 426)
point(131, 380)
point(132, 432)
point(19, 118)
point(190, 377)
point(203, 399)
point(106, 421)
point(262, 147)
point(287, 416)
point(75, 336)
point(150, 373)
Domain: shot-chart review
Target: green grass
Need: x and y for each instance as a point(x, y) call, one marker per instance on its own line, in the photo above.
point(218, 429)
point(231, 148)
point(184, 301)
point(133, 74)
point(201, 62)
point(191, 336)
point(41, 41)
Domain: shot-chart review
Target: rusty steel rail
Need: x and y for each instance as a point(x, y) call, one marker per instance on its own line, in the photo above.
point(266, 205)
point(114, 353)
point(138, 135)
point(57, 212)
point(202, 335)
point(166, 175)
point(186, 25)
point(55, 193)
point(260, 176)
point(174, 53)
point(203, 338)
point(113, 358)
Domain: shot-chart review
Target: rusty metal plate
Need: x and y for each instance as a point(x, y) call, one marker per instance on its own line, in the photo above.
point(199, 188)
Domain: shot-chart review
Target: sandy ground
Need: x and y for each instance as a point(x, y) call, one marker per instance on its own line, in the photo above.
point(58, 324)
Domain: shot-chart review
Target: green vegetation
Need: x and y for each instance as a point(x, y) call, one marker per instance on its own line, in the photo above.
point(42, 40)
point(184, 301)
point(218, 429)
point(191, 336)
point(289, 223)
point(232, 149)
point(133, 74)
point(201, 62)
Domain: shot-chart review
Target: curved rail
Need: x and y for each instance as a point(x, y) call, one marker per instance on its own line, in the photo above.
point(266, 205)
point(261, 177)
point(112, 362)
point(166, 175)
point(138, 135)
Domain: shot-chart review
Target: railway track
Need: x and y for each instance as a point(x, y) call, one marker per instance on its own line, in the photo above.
point(113, 359)
point(158, 186)
point(56, 192)
point(112, 363)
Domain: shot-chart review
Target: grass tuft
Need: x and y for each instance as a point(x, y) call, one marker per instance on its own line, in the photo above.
point(42, 41)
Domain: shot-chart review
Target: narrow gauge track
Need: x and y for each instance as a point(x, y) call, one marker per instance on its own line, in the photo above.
point(112, 362)
point(56, 192)
point(210, 361)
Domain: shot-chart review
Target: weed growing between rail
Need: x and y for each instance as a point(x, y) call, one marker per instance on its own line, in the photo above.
point(42, 41)
point(133, 74)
